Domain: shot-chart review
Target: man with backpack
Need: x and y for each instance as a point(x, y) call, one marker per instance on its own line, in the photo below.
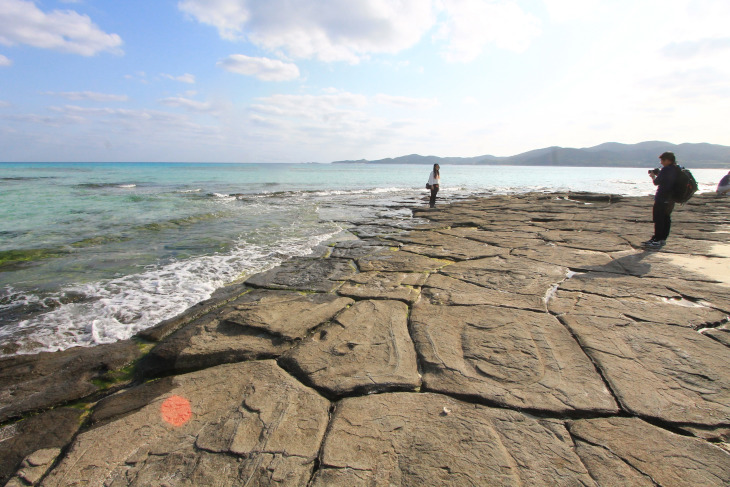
point(665, 180)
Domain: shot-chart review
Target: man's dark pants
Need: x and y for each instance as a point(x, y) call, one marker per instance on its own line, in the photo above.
point(662, 214)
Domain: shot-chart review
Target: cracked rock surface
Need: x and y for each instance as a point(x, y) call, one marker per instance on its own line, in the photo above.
point(510, 340)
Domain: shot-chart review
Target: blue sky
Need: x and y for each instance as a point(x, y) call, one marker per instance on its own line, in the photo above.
point(326, 80)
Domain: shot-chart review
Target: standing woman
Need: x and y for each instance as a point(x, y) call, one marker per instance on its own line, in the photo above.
point(433, 181)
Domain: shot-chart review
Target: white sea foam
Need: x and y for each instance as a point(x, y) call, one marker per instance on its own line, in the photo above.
point(116, 309)
point(127, 186)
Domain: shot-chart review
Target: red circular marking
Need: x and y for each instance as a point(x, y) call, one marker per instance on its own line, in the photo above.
point(176, 410)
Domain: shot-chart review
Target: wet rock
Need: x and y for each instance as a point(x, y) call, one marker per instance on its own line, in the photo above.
point(316, 275)
point(430, 439)
point(166, 327)
point(235, 424)
point(669, 373)
point(366, 349)
point(400, 286)
point(35, 382)
point(509, 357)
point(629, 451)
point(26, 439)
point(261, 324)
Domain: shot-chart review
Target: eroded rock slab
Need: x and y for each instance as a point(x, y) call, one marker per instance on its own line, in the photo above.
point(658, 371)
point(652, 309)
point(430, 439)
point(316, 275)
point(440, 245)
point(237, 424)
point(34, 382)
point(629, 451)
point(445, 290)
point(509, 357)
point(401, 286)
point(586, 240)
point(52, 429)
point(393, 260)
point(366, 349)
point(259, 325)
point(509, 275)
point(289, 315)
point(565, 256)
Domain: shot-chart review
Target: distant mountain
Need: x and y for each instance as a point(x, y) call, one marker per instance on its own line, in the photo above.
point(609, 154)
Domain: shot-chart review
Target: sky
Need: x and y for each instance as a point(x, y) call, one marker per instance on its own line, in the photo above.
point(328, 80)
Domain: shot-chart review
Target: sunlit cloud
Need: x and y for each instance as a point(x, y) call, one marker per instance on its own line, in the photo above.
point(474, 24)
point(4, 61)
point(264, 69)
point(337, 30)
point(23, 23)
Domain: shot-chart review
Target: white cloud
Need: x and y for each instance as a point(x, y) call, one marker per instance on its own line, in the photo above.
point(188, 104)
point(336, 30)
point(570, 10)
point(342, 30)
point(185, 78)
point(262, 68)
point(327, 107)
point(474, 24)
point(88, 95)
point(406, 102)
point(22, 22)
point(4, 104)
point(4, 61)
point(701, 47)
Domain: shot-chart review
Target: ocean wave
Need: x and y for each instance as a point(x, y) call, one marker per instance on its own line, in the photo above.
point(105, 185)
point(116, 309)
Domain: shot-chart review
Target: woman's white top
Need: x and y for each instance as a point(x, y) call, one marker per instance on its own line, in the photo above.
point(433, 180)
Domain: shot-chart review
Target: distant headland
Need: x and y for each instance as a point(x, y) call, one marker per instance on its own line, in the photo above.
point(611, 154)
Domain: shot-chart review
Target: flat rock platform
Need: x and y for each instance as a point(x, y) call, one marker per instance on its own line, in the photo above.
point(522, 340)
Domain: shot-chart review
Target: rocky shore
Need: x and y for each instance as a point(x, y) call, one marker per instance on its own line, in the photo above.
point(510, 340)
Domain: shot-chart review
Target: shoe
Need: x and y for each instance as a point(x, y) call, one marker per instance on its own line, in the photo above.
point(648, 242)
point(656, 244)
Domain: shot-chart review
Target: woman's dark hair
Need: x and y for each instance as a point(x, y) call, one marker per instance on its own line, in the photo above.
point(436, 170)
point(668, 156)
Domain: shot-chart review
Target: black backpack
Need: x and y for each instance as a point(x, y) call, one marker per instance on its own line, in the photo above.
point(684, 186)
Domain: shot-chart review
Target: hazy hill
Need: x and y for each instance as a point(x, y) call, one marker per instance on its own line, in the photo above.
point(609, 154)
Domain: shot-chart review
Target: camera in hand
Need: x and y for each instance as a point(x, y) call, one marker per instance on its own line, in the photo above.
point(654, 171)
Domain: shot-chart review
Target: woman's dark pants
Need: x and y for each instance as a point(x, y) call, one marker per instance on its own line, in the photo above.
point(434, 190)
point(662, 219)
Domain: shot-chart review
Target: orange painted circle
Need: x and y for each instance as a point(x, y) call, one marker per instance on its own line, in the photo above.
point(176, 410)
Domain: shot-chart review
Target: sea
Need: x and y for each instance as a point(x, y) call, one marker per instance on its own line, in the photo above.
point(92, 253)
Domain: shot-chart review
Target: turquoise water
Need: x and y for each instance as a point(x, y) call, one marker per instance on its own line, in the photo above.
point(93, 253)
